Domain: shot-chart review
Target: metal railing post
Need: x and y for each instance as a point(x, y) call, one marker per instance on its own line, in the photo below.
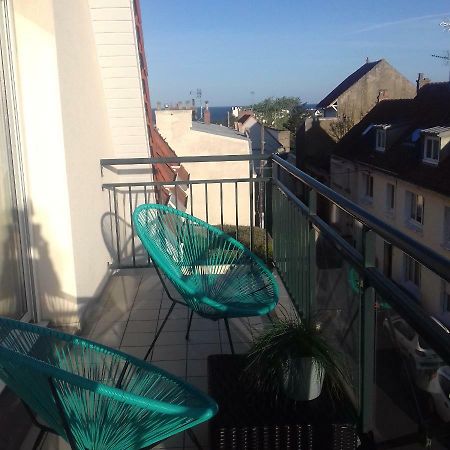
point(367, 338)
point(312, 206)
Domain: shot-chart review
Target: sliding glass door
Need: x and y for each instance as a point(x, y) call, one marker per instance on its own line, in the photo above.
point(15, 280)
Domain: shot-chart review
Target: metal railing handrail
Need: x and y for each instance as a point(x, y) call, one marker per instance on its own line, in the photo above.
point(181, 159)
point(434, 334)
point(183, 182)
point(426, 256)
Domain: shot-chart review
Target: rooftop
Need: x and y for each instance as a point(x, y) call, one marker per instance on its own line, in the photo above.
point(217, 130)
point(347, 83)
point(437, 130)
point(427, 112)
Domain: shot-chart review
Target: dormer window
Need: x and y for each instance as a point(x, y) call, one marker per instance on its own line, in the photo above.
point(435, 144)
point(431, 149)
point(380, 136)
point(381, 140)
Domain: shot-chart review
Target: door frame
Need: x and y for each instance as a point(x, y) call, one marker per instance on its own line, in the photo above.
point(12, 125)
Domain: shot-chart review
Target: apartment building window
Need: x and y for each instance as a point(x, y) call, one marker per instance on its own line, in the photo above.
point(387, 259)
point(431, 149)
point(390, 197)
point(415, 208)
point(411, 270)
point(447, 227)
point(445, 296)
point(368, 186)
point(336, 175)
point(381, 140)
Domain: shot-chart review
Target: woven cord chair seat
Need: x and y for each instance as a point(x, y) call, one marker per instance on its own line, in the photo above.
point(110, 400)
point(216, 275)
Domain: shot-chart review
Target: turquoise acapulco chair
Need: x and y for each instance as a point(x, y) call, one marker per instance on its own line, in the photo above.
point(216, 276)
point(95, 397)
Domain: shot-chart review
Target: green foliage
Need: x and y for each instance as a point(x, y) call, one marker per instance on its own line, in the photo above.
point(289, 338)
point(281, 112)
point(340, 127)
point(259, 240)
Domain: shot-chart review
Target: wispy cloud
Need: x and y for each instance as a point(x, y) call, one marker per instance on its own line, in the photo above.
point(393, 23)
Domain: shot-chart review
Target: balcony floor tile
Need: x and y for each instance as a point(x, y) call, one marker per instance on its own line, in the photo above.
point(132, 308)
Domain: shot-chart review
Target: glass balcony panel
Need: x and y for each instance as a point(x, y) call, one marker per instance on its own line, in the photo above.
point(411, 397)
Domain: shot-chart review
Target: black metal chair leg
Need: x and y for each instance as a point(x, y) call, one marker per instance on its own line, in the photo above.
point(227, 326)
point(189, 325)
point(43, 429)
point(159, 331)
point(194, 439)
point(39, 439)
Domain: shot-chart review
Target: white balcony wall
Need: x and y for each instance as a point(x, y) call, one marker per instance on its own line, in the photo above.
point(65, 130)
point(116, 44)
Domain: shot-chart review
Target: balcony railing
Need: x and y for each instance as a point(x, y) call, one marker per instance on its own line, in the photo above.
point(390, 345)
point(235, 203)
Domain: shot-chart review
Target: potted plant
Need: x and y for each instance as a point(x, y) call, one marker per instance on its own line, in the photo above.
point(292, 356)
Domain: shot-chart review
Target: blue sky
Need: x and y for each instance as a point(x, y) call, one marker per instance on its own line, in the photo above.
point(285, 47)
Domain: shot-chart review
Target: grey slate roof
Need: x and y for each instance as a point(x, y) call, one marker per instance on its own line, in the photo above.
point(218, 130)
point(436, 130)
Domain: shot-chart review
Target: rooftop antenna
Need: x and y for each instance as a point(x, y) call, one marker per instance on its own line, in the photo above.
point(198, 94)
point(445, 24)
point(446, 58)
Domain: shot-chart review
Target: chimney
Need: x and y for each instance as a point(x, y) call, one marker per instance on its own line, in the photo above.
point(421, 81)
point(207, 114)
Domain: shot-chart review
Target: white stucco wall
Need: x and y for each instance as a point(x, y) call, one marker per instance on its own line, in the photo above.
point(65, 131)
point(175, 127)
point(115, 38)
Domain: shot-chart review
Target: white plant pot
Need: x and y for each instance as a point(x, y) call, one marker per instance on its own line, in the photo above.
point(302, 379)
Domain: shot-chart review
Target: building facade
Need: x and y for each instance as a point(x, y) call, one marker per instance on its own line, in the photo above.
point(396, 164)
point(190, 138)
point(343, 108)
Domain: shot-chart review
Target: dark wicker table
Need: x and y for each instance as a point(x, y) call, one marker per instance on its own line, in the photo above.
point(251, 420)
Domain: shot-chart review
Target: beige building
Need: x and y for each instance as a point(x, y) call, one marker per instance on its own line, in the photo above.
point(396, 164)
point(343, 108)
point(189, 138)
point(72, 94)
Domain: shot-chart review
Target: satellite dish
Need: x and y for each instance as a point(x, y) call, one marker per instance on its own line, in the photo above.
point(415, 136)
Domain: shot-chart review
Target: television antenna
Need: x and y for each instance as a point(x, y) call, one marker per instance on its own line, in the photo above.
point(445, 58)
point(445, 24)
point(198, 95)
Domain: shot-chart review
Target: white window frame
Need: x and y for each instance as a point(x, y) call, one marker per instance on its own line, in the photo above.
point(446, 237)
point(368, 183)
point(380, 143)
point(336, 174)
point(445, 297)
point(411, 270)
point(415, 208)
point(390, 197)
point(435, 149)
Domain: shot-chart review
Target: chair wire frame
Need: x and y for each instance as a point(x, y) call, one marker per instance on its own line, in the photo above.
point(216, 276)
point(95, 397)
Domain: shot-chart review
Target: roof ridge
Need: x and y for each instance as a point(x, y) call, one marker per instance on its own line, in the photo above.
point(348, 82)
